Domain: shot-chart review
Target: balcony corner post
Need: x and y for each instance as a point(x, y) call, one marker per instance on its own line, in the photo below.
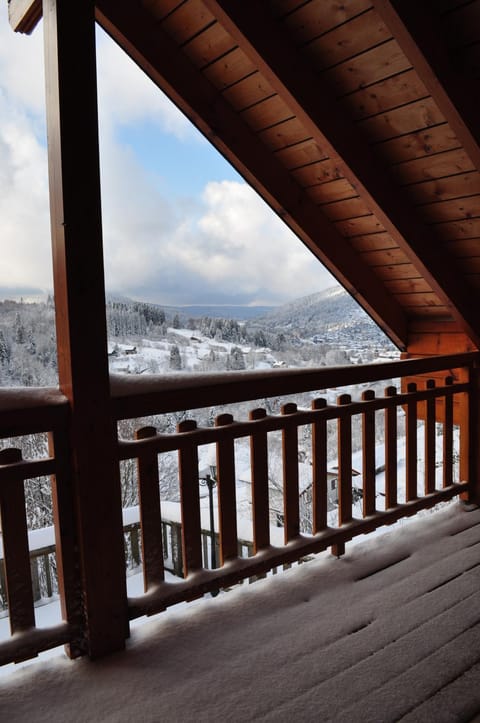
point(79, 288)
point(470, 457)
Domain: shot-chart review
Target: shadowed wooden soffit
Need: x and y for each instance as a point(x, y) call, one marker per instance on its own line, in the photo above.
point(355, 121)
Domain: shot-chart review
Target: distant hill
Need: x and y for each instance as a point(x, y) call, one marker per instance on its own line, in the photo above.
point(240, 313)
point(330, 315)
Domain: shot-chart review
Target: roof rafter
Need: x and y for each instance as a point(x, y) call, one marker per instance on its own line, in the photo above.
point(24, 15)
point(132, 28)
point(267, 44)
point(414, 29)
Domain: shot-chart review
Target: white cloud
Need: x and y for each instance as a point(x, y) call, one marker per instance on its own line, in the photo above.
point(128, 96)
point(223, 247)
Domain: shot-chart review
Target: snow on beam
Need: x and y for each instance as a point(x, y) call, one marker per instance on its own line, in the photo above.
point(24, 15)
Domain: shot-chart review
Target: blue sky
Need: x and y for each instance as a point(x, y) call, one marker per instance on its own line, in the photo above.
point(180, 226)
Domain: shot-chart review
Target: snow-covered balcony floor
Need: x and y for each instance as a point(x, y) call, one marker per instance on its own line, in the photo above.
point(390, 631)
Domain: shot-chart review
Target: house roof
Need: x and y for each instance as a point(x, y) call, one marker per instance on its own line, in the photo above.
point(354, 120)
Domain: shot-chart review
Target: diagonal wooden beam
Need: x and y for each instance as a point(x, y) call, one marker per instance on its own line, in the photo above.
point(417, 31)
point(154, 51)
point(24, 15)
point(270, 48)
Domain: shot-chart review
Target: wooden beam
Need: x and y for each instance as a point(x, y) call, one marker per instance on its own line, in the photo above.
point(419, 35)
point(24, 15)
point(155, 52)
point(270, 48)
point(75, 209)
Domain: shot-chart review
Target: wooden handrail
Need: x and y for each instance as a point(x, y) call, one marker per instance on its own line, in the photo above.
point(136, 396)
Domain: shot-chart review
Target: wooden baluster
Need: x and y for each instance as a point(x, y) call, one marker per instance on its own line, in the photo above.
point(135, 546)
point(448, 437)
point(368, 456)
point(150, 512)
point(391, 462)
point(176, 545)
point(259, 472)
point(48, 575)
point(430, 441)
point(291, 503)
point(66, 546)
point(319, 470)
point(411, 424)
point(226, 493)
point(344, 461)
point(15, 548)
point(190, 502)
point(37, 594)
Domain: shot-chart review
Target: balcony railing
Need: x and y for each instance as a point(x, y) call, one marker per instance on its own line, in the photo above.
point(441, 395)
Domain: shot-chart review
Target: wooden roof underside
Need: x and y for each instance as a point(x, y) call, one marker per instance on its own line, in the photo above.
point(354, 119)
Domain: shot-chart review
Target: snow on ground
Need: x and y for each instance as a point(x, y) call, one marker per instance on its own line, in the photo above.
point(374, 636)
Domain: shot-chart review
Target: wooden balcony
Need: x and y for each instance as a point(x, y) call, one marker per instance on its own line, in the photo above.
point(380, 181)
point(388, 632)
point(443, 401)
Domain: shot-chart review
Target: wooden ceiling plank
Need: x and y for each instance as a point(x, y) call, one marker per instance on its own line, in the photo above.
point(317, 17)
point(418, 33)
point(359, 226)
point(24, 15)
point(363, 70)
point(229, 69)
point(373, 242)
point(284, 134)
point(454, 210)
point(271, 51)
point(464, 247)
point(169, 68)
point(348, 40)
point(319, 172)
point(445, 189)
point(188, 21)
point(407, 119)
point(428, 168)
point(386, 257)
point(451, 230)
point(399, 272)
point(419, 144)
point(252, 89)
point(300, 154)
point(336, 190)
point(385, 95)
point(266, 113)
point(208, 46)
point(407, 286)
point(351, 208)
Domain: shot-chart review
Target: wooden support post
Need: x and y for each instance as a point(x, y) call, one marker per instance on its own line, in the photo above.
point(469, 442)
point(75, 208)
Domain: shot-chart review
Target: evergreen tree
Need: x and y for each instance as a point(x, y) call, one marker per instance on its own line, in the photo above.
point(175, 358)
